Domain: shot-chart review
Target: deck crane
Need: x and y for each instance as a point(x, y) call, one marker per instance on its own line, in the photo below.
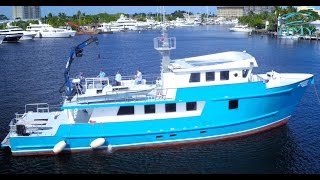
point(74, 25)
point(76, 51)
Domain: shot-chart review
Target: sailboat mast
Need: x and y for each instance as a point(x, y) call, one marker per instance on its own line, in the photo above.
point(207, 14)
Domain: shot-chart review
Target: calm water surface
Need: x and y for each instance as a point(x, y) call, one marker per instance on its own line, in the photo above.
point(32, 72)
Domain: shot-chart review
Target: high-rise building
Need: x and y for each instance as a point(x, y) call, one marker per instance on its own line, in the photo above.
point(26, 12)
point(230, 11)
point(238, 11)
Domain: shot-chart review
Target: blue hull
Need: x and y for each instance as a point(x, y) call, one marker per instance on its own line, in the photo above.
point(258, 109)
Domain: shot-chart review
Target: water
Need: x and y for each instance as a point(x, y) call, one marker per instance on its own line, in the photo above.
point(32, 72)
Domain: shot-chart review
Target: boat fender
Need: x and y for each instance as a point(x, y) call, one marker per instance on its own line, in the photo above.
point(59, 147)
point(97, 142)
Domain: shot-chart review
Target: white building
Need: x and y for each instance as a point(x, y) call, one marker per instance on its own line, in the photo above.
point(238, 11)
point(299, 8)
point(26, 12)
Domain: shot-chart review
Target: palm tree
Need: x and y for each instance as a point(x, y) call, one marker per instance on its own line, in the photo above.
point(278, 11)
point(78, 15)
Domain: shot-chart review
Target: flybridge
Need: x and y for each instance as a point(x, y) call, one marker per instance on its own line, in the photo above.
point(225, 60)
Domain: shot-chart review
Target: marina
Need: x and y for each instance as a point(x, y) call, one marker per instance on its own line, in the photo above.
point(182, 35)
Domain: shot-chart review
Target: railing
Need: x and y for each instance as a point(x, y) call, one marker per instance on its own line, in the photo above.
point(120, 96)
point(128, 91)
point(91, 83)
point(256, 78)
point(37, 107)
point(161, 43)
point(12, 125)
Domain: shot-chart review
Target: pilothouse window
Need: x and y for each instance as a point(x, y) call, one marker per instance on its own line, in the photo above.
point(224, 75)
point(245, 73)
point(209, 76)
point(194, 77)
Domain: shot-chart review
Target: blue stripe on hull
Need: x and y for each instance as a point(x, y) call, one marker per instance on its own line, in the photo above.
point(216, 120)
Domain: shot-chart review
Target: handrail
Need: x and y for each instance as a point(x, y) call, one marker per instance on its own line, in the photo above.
point(149, 79)
point(256, 78)
point(155, 94)
point(40, 107)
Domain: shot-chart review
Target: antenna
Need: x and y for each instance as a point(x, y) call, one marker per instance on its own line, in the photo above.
point(164, 44)
point(207, 14)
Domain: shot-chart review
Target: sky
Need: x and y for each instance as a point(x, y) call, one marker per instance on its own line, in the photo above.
point(71, 10)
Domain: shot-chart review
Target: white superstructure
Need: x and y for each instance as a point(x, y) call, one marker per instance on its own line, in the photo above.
point(26, 34)
point(47, 31)
point(241, 28)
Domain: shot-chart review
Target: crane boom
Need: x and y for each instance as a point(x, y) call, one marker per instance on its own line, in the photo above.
point(75, 51)
point(73, 24)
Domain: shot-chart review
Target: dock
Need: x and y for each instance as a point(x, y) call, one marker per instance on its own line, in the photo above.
point(316, 36)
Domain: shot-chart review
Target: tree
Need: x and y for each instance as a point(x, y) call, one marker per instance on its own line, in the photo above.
point(50, 15)
point(3, 17)
point(313, 14)
point(78, 15)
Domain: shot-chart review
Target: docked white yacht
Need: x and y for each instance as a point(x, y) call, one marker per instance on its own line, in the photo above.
point(26, 34)
point(241, 28)
point(129, 24)
point(10, 36)
point(47, 31)
point(104, 28)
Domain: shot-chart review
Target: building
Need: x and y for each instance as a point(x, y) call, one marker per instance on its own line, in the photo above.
point(26, 12)
point(238, 11)
point(257, 9)
point(311, 8)
point(299, 8)
point(230, 11)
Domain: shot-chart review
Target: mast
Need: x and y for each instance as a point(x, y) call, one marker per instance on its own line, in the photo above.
point(207, 15)
point(164, 45)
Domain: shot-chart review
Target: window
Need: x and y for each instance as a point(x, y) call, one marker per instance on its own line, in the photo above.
point(171, 107)
point(191, 106)
point(224, 75)
point(149, 109)
point(209, 76)
point(195, 77)
point(233, 104)
point(245, 72)
point(126, 110)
